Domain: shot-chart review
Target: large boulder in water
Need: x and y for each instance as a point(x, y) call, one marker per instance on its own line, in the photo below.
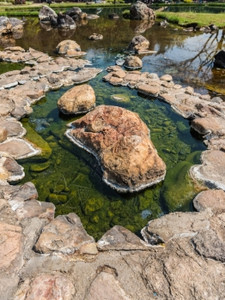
point(220, 60)
point(65, 22)
point(133, 62)
point(120, 141)
point(46, 14)
point(78, 100)
point(140, 11)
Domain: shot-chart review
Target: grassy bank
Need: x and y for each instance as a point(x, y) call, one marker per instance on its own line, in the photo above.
point(185, 18)
point(33, 9)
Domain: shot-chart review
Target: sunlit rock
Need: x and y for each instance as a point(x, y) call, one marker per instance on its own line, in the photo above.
point(120, 141)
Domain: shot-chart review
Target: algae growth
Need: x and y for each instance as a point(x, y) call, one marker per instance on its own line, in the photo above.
point(71, 178)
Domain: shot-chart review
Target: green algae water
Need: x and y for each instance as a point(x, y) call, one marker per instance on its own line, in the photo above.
point(70, 177)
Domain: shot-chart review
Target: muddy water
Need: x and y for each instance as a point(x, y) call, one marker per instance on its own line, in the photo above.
point(70, 177)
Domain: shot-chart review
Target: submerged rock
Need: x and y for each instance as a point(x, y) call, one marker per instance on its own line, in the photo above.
point(140, 11)
point(120, 141)
point(69, 48)
point(78, 100)
point(96, 37)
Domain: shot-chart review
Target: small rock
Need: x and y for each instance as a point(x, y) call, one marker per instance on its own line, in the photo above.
point(69, 48)
point(133, 62)
point(139, 43)
point(96, 37)
point(78, 100)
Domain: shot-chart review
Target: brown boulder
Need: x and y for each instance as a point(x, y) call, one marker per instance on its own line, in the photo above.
point(78, 100)
point(120, 141)
point(140, 11)
point(133, 62)
point(139, 44)
point(69, 48)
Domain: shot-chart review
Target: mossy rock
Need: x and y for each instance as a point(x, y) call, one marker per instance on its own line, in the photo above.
point(37, 140)
point(40, 167)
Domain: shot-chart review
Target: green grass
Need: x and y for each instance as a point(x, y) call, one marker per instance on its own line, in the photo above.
point(32, 10)
point(185, 18)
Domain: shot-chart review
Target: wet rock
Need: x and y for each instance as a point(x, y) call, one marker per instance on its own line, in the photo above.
point(220, 60)
point(18, 148)
point(120, 141)
point(55, 286)
point(96, 37)
point(213, 199)
point(46, 14)
point(65, 21)
point(139, 44)
point(84, 75)
point(212, 170)
point(163, 23)
point(11, 251)
point(149, 90)
point(140, 11)
point(69, 48)
point(65, 235)
point(105, 285)
point(133, 62)
point(3, 134)
point(173, 226)
point(78, 100)
point(120, 238)
point(76, 14)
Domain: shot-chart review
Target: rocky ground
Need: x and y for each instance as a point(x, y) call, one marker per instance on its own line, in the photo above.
point(181, 255)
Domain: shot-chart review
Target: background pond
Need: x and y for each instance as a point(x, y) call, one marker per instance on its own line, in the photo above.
point(68, 176)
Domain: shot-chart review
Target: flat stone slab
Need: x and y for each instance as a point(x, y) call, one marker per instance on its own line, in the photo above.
point(213, 199)
point(174, 225)
point(120, 141)
point(14, 127)
point(120, 238)
point(10, 169)
point(18, 148)
point(212, 170)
